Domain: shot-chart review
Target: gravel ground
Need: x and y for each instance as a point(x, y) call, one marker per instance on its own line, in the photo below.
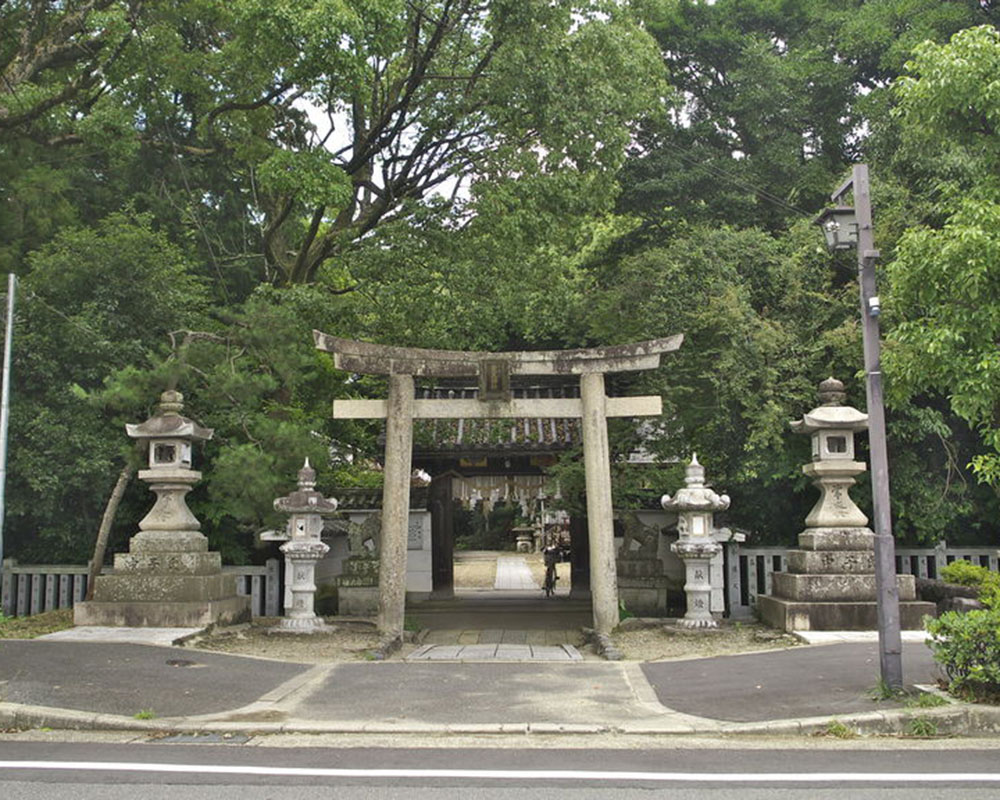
point(648, 640)
point(344, 641)
point(638, 640)
point(475, 569)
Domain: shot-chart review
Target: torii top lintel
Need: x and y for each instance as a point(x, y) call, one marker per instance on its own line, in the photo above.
point(378, 359)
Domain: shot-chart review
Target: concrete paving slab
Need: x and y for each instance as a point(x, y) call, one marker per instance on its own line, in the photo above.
point(479, 651)
point(496, 652)
point(548, 653)
point(840, 637)
point(444, 652)
point(472, 693)
point(444, 636)
point(513, 573)
point(97, 633)
point(513, 652)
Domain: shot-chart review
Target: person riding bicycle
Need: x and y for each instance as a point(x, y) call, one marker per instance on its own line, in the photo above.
point(552, 555)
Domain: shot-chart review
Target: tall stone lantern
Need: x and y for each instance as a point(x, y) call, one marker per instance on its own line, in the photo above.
point(303, 548)
point(168, 579)
point(832, 426)
point(829, 580)
point(695, 506)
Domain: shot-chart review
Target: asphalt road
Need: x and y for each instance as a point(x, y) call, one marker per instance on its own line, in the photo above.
point(52, 771)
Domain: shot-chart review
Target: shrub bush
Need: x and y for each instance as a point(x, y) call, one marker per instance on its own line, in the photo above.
point(967, 646)
point(987, 583)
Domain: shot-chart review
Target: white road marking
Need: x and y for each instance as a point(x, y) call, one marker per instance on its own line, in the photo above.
point(517, 774)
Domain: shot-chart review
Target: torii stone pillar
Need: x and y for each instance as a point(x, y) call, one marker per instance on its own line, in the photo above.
point(494, 371)
point(600, 515)
point(395, 505)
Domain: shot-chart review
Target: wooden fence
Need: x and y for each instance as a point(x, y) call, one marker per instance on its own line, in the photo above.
point(27, 589)
point(749, 569)
point(31, 589)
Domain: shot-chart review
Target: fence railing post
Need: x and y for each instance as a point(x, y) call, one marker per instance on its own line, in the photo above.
point(7, 587)
point(272, 589)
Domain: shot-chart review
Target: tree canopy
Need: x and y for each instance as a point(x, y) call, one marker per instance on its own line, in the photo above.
point(187, 188)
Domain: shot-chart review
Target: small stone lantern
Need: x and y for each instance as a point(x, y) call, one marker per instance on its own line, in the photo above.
point(832, 426)
point(303, 548)
point(695, 506)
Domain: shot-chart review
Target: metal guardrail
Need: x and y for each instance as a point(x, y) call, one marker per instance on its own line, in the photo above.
point(27, 589)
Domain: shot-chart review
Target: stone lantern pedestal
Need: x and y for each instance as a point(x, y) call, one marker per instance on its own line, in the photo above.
point(830, 582)
point(306, 508)
point(696, 505)
point(168, 579)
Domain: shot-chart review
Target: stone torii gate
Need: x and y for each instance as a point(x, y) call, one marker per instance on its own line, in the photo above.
point(494, 371)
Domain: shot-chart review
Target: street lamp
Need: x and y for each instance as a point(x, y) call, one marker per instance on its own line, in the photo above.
point(845, 227)
point(840, 227)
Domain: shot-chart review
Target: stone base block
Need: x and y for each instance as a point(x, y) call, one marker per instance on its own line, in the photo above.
point(142, 614)
point(644, 601)
point(168, 542)
point(846, 588)
point(837, 539)
point(173, 563)
point(790, 615)
point(639, 568)
point(832, 561)
point(312, 624)
point(357, 601)
point(152, 588)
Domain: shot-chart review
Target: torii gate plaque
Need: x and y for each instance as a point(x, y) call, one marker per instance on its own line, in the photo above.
point(403, 364)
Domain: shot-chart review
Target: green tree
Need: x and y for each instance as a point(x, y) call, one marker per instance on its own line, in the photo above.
point(96, 300)
point(944, 290)
point(774, 101)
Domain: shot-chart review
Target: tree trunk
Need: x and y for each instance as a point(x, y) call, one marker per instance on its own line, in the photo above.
point(105, 530)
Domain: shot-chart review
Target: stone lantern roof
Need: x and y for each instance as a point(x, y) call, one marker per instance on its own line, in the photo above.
point(305, 499)
point(695, 496)
point(167, 422)
point(831, 413)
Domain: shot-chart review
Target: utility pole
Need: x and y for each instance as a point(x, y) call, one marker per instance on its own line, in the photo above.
point(5, 400)
point(889, 636)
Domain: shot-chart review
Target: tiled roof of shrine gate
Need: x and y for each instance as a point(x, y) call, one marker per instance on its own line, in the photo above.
point(497, 435)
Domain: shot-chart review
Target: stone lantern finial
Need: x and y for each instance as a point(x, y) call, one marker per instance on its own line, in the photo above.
point(831, 392)
point(307, 476)
point(171, 403)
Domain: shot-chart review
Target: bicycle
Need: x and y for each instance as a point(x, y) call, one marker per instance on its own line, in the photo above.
point(551, 555)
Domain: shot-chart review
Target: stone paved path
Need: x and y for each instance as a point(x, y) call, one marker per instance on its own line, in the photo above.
point(513, 574)
point(496, 652)
point(487, 642)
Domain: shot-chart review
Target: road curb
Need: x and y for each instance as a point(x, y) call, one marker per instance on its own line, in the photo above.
point(959, 719)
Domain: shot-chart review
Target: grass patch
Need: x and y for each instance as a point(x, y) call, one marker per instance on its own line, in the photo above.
point(35, 625)
point(146, 713)
point(921, 727)
point(883, 691)
point(839, 730)
point(926, 700)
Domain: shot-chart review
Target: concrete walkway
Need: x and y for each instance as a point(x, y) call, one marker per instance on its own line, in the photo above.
point(802, 690)
point(513, 574)
point(511, 622)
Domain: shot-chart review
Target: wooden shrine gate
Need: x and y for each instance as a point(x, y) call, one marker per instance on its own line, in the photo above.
point(494, 371)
